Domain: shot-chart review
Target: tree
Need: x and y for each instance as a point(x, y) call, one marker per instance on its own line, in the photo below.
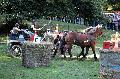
point(89, 9)
point(115, 4)
point(59, 8)
point(24, 9)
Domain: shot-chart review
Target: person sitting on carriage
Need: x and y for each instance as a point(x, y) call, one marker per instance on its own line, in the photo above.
point(15, 32)
point(33, 27)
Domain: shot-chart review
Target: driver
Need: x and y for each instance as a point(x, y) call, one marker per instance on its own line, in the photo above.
point(15, 29)
point(14, 32)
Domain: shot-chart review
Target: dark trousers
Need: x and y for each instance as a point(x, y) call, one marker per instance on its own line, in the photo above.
point(118, 27)
point(14, 36)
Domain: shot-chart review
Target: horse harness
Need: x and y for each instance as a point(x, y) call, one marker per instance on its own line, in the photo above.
point(88, 38)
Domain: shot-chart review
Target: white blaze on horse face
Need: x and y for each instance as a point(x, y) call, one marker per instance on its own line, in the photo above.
point(93, 30)
point(86, 30)
point(99, 26)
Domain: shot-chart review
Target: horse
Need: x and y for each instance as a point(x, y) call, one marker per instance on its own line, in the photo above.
point(83, 40)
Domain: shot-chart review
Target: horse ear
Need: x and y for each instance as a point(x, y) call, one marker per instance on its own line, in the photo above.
point(86, 30)
point(99, 25)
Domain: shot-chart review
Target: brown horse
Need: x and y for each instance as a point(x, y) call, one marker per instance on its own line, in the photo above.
point(83, 40)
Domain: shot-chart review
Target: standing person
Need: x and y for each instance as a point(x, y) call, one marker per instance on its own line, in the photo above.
point(119, 24)
point(115, 22)
point(56, 45)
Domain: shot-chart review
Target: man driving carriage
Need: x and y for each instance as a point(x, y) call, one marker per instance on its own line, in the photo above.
point(15, 29)
point(15, 32)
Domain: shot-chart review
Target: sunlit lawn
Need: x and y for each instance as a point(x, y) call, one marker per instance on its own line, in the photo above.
point(11, 68)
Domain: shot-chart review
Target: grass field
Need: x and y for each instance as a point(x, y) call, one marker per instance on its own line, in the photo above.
point(11, 68)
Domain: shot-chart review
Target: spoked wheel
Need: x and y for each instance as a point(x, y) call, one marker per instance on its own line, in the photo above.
point(16, 50)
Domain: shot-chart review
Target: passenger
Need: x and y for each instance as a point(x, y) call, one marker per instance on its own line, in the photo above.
point(33, 27)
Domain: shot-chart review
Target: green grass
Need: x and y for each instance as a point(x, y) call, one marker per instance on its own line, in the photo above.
point(2, 38)
point(11, 68)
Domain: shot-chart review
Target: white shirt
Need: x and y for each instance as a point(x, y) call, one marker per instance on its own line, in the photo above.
point(35, 29)
point(15, 30)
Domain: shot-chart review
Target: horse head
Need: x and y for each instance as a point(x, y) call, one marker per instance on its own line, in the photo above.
point(95, 31)
point(88, 29)
point(99, 30)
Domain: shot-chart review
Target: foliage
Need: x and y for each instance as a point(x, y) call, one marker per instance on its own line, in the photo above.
point(2, 38)
point(27, 9)
point(59, 8)
point(115, 5)
point(89, 9)
point(24, 9)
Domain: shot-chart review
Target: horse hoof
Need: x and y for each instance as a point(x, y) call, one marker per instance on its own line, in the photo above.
point(96, 59)
point(77, 57)
point(83, 58)
point(64, 57)
point(70, 56)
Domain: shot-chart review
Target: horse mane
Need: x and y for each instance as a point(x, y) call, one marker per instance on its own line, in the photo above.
point(89, 29)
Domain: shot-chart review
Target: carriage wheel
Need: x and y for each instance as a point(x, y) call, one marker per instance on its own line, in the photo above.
point(16, 50)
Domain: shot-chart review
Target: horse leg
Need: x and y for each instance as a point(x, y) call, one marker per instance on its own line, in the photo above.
point(87, 49)
point(82, 52)
point(63, 50)
point(54, 52)
point(93, 49)
point(64, 54)
point(69, 51)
